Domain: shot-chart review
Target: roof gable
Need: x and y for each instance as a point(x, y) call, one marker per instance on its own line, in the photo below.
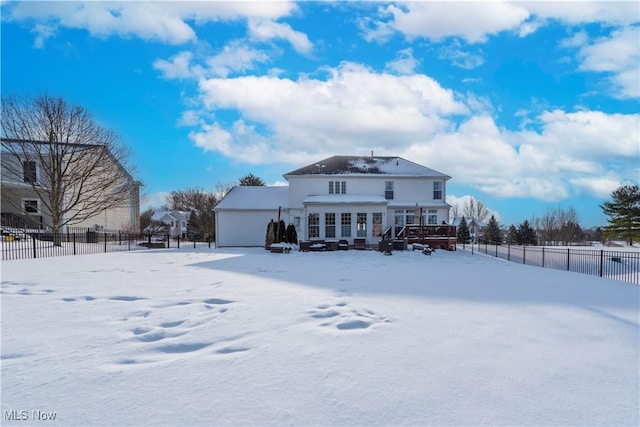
point(255, 198)
point(366, 165)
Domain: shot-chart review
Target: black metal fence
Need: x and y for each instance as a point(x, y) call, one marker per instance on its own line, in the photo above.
point(621, 265)
point(41, 245)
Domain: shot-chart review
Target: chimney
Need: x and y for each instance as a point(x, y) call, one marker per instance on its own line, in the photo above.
point(372, 154)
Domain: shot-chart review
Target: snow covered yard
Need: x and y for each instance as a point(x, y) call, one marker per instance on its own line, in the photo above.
point(247, 337)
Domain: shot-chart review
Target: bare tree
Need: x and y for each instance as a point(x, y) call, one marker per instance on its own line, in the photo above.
point(57, 152)
point(475, 210)
point(559, 226)
point(195, 199)
point(222, 188)
point(454, 212)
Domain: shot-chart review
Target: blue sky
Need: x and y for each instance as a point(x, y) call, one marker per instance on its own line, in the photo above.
point(529, 106)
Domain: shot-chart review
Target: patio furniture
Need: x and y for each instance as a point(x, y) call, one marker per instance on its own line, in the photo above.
point(359, 243)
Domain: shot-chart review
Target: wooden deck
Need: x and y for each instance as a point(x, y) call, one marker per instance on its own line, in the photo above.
point(436, 236)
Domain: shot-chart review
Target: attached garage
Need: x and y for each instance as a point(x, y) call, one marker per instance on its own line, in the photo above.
point(243, 214)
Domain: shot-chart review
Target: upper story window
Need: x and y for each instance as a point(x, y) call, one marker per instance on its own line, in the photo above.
point(437, 190)
point(31, 206)
point(388, 190)
point(337, 187)
point(29, 171)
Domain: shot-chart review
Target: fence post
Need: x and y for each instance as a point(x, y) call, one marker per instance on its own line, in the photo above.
point(524, 253)
point(194, 243)
point(568, 257)
point(543, 257)
point(209, 239)
point(74, 243)
point(33, 238)
point(509, 252)
point(105, 243)
point(601, 261)
point(496, 250)
point(129, 241)
point(178, 242)
point(149, 237)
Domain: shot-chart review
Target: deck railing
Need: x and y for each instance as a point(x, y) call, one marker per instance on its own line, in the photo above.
point(438, 236)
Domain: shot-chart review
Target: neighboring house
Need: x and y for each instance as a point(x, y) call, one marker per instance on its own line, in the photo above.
point(173, 223)
point(476, 228)
point(341, 197)
point(23, 208)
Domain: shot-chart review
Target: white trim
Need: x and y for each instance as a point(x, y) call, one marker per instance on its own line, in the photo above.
point(32, 199)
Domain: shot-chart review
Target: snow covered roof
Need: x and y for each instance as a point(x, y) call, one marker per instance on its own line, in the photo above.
point(456, 221)
point(175, 215)
point(403, 204)
point(255, 198)
point(366, 165)
point(345, 198)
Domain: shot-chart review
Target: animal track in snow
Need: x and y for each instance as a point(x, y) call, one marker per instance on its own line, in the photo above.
point(154, 337)
point(344, 317)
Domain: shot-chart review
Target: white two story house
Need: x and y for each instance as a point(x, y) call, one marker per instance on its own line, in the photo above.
point(341, 198)
point(104, 197)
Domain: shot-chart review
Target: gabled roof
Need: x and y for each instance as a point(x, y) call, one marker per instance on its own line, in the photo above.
point(175, 215)
point(255, 198)
point(366, 165)
point(469, 221)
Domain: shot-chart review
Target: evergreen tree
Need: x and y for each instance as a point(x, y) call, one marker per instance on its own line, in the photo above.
point(463, 234)
point(292, 234)
point(282, 231)
point(493, 234)
point(512, 235)
point(271, 235)
point(194, 231)
point(526, 234)
point(250, 180)
point(624, 213)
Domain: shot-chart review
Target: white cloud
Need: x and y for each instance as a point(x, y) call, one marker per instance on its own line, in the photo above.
point(579, 39)
point(619, 55)
point(236, 57)
point(580, 12)
point(405, 63)
point(165, 22)
point(461, 201)
point(572, 154)
point(265, 30)
point(354, 110)
point(153, 200)
point(475, 21)
point(460, 58)
point(179, 67)
point(438, 20)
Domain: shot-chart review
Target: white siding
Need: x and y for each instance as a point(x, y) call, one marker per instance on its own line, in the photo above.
point(407, 189)
point(244, 228)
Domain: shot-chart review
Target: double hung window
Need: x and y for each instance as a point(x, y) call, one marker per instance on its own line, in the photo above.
point(29, 171)
point(437, 190)
point(345, 223)
point(314, 225)
point(330, 225)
